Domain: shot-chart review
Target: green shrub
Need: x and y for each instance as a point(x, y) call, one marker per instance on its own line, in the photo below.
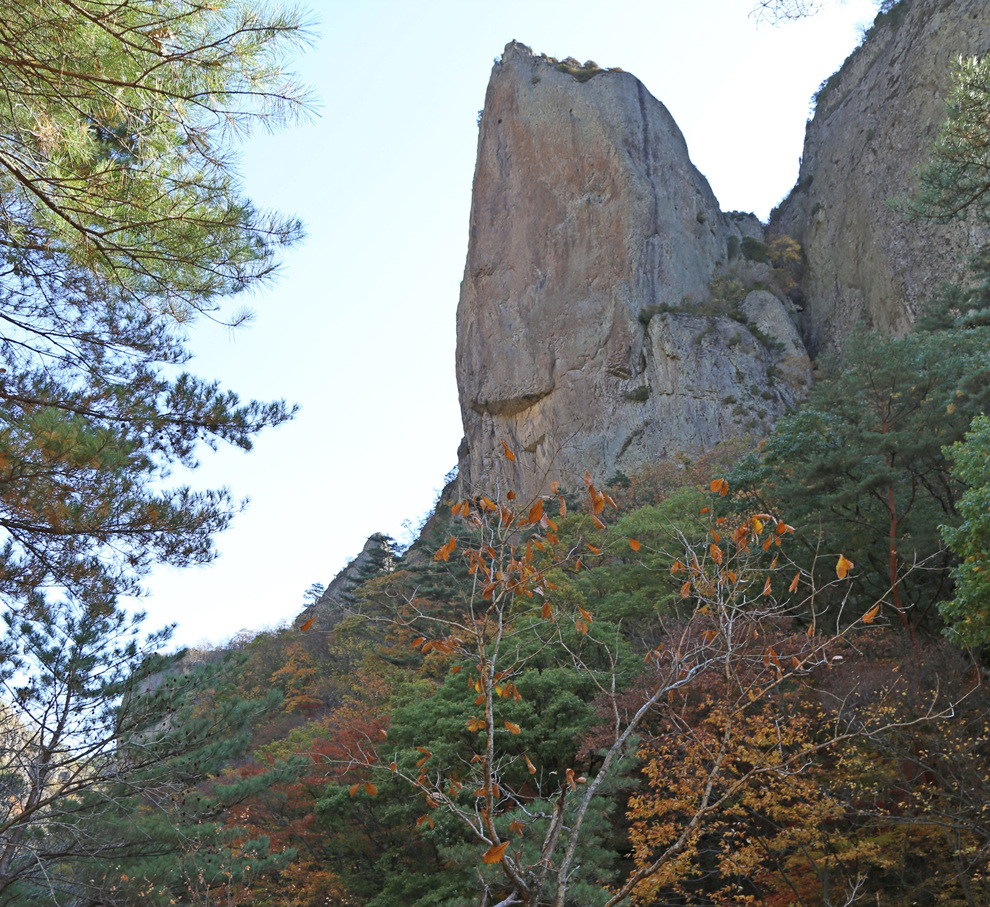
point(754, 250)
point(639, 394)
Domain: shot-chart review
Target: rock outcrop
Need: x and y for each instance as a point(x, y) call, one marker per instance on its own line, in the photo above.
point(376, 557)
point(587, 336)
point(874, 123)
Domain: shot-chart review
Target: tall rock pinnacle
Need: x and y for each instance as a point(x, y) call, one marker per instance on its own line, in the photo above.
point(585, 337)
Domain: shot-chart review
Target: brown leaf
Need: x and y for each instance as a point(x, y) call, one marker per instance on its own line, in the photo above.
point(720, 486)
point(494, 854)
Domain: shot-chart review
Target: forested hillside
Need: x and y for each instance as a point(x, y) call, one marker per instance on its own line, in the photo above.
point(755, 675)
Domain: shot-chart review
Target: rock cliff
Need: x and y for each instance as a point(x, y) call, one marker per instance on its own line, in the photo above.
point(599, 325)
point(874, 121)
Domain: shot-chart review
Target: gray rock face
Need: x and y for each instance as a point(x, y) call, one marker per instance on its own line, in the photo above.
point(335, 603)
point(873, 126)
point(587, 218)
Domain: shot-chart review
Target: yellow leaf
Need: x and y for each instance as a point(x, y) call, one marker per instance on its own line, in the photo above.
point(494, 854)
point(870, 615)
point(309, 623)
point(512, 727)
point(757, 525)
point(509, 455)
point(843, 567)
point(634, 544)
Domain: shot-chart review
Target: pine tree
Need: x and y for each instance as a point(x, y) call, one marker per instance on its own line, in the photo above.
point(107, 756)
point(122, 217)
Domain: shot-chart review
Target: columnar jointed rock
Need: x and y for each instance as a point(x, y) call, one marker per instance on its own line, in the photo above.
point(587, 219)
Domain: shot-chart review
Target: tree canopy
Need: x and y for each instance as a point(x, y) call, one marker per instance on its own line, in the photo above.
point(121, 217)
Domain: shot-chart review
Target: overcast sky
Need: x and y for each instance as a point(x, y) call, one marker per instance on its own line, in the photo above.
point(359, 328)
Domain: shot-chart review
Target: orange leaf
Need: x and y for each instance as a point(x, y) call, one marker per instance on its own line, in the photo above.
point(634, 544)
point(309, 623)
point(354, 788)
point(782, 527)
point(509, 455)
point(716, 553)
point(494, 854)
point(569, 774)
point(455, 669)
point(536, 511)
point(516, 826)
point(529, 765)
point(598, 523)
point(686, 589)
point(394, 766)
point(594, 549)
point(370, 789)
point(554, 486)
point(547, 612)
point(870, 615)
point(417, 642)
point(794, 582)
point(843, 567)
point(512, 727)
point(766, 588)
point(721, 486)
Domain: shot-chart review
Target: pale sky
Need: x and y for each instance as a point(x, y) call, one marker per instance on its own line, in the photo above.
point(359, 328)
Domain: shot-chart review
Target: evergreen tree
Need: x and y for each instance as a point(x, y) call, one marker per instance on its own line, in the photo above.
point(108, 766)
point(968, 613)
point(862, 461)
point(121, 217)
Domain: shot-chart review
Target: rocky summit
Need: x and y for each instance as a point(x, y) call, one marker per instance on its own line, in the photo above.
point(611, 315)
point(601, 324)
